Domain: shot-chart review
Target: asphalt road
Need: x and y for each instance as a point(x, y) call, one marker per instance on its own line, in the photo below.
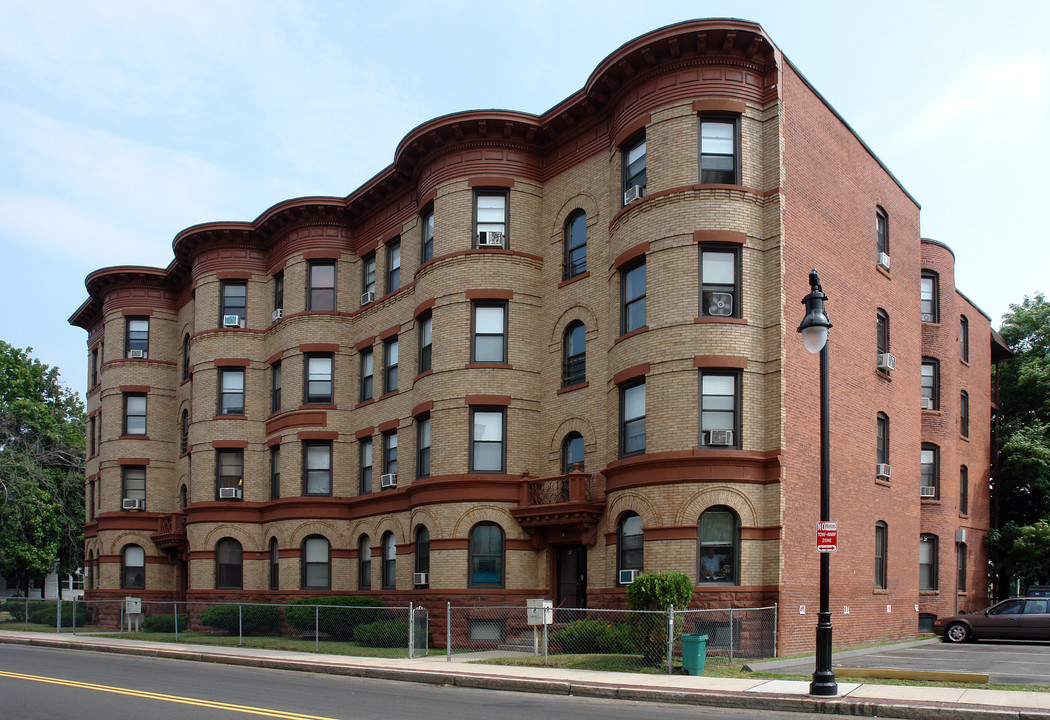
point(47, 683)
point(1021, 663)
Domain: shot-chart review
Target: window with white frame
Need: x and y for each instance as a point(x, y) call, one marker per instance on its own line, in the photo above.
point(719, 281)
point(487, 440)
point(133, 568)
point(719, 409)
point(136, 337)
point(319, 383)
point(490, 218)
point(489, 336)
point(234, 304)
point(231, 391)
point(719, 149)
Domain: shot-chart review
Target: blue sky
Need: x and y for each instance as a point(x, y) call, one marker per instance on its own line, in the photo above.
point(121, 123)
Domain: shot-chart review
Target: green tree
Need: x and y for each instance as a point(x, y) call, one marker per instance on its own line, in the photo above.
point(41, 469)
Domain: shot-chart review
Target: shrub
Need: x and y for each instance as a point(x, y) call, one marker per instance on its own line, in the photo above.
point(653, 592)
point(253, 619)
point(593, 636)
point(45, 613)
point(337, 616)
point(383, 634)
point(164, 623)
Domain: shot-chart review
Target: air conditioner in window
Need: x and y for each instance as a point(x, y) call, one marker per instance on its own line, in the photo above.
point(388, 480)
point(927, 491)
point(927, 403)
point(278, 314)
point(229, 493)
point(136, 354)
point(633, 193)
point(420, 578)
point(720, 437)
point(231, 321)
point(927, 317)
point(721, 304)
point(886, 362)
point(627, 576)
point(960, 535)
point(368, 297)
point(490, 238)
point(882, 470)
point(134, 504)
point(884, 261)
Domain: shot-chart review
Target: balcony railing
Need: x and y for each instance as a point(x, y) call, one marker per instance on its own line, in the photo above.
point(567, 507)
point(170, 536)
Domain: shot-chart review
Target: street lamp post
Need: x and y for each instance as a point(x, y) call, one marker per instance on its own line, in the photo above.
point(814, 329)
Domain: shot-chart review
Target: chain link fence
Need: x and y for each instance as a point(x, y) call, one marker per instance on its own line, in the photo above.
point(314, 624)
point(628, 640)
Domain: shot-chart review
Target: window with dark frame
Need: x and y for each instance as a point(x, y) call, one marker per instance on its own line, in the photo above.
point(93, 369)
point(319, 379)
point(275, 565)
point(422, 552)
point(317, 467)
point(575, 245)
point(228, 565)
point(634, 172)
point(393, 265)
point(490, 218)
point(881, 540)
point(928, 296)
point(632, 418)
point(930, 383)
point(426, 343)
point(390, 353)
point(718, 546)
point(91, 436)
point(719, 281)
point(364, 465)
point(630, 545)
point(487, 449)
point(368, 275)
point(390, 453)
point(317, 563)
point(964, 413)
point(364, 563)
point(572, 453)
point(719, 149)
point(487, 559)
point(882, 331)
point(964, 491)
point(275, 387)
point(488, 332)
point(133, 568)
point(929, 472)
point(389, 561)
point(90, 512)
point(882, 231)
point(632, 297)
point(719, 408)
point(367, 370)
point(275, 472)
point(882, 439)
point(134, 413)
point(423, 446)
point(231, 391)
point(184, 432)
point(574, 355)
point(185, 357)
point(960, 568)
point(234, 301)
point(321, 285)
point(964, 339)
point(133, 482)
point(229, 470)
point(928, 561)
point(426, 243)
point(136, 337)
point(278, 293)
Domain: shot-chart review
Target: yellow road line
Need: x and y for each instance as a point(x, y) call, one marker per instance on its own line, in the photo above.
point(166, 698)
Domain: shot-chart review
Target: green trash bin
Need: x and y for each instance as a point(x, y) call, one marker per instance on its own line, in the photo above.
point(694, 653)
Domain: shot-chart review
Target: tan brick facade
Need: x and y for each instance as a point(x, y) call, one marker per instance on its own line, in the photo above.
point(790, 209)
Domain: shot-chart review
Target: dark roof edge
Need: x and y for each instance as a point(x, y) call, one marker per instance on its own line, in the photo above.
point(938, 243)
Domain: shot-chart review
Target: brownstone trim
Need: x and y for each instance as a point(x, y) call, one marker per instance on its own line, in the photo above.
point(491, 181)
point(493, 400)
point(498, 366)
point(132, 461)
point(390, 235)
point(388, 425)
point(423, 307)
point(389, 333)
point(724, 105)
point(134, 388)
point(636, 331)
point(448, 544)
point(136, 312)
point(694, 466)
point(275, 357)
point(273, 442)
point(229, 444)
point(424, 374)
point(574, 278)
point(363, 403)
point(771, 532)
point(365, 344)
point(133, 437)
point(570, 388)
point(631, 373)
point(278, 267)
point(390, 394)
point(368, 248)
point(322, 254)
point(720, 320)
point(519, 544)
point(735, 362)
point(630, 255)
point(317, 435)
point(422, 408)
point(233, 275)
point(723, 237)
point(365, 433)
point(319, 348)
point(231, 362)
point(631, 129)
point(490, 294)
point(671, 532)
point(296, 418)
point(688, 188)
point(426, 199)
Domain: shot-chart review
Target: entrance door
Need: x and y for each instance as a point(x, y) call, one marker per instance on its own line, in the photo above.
point(572, 576)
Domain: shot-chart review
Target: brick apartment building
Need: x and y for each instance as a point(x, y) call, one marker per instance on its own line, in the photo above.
point(539, 354)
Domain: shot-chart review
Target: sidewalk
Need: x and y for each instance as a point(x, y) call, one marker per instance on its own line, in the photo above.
point(895, 701)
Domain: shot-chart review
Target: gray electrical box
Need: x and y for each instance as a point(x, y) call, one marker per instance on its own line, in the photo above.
point(539, 611)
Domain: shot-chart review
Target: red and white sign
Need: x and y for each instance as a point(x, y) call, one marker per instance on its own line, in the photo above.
point(827, 537)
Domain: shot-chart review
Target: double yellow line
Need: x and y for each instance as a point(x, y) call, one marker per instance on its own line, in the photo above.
point(247, 709)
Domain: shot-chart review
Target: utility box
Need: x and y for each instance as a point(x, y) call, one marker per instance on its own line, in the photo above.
point(133, 613)
point(539, 611)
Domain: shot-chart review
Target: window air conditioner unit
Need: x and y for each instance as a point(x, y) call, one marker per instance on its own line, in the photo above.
point(721, 304)
point(720, 437)
point(927, 403)
point(278, 314)
point(882, 470)
point(927, 317)
point(388, 480)
point(633, 193)
point(627, 576)
point(927, 491)
point(886, 362)
point(134, 504)
point(420, 578)
point(960, 535)
point(231, 321)
point(229, 493)
point(884, 261)
point(368, 297)
point(136, 354)
point(490, 239)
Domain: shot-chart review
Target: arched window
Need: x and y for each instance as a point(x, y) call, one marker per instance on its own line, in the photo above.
point(572, 452)
point(316, 554)
point(882, 443)
point(133, 568)
point(574, 355)
point(629, 547)
point(228, 565)
point(881, 552)
point(184, 432)
point(718, 546)
point(182, 497)
point(389, 561)
point(486, 555)
point(928, 296)
point(575, 244)
point(364, 563)
point(275, 566)
point(422, 554)
point(89, 566)
point(186, 356)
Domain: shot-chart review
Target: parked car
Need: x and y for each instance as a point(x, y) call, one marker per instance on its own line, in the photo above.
point(1013, 619)
point(1039, 591)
